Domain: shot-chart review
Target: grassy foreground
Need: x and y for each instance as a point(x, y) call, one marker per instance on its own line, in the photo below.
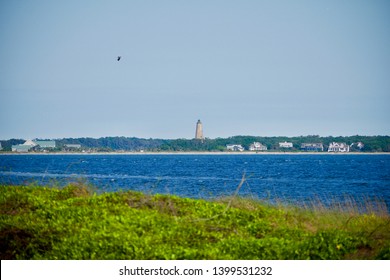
point(74, 223)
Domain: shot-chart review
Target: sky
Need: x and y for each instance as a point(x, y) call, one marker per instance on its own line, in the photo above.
point(259, 68)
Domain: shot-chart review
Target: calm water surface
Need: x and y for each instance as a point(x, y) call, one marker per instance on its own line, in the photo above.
point(293, 178)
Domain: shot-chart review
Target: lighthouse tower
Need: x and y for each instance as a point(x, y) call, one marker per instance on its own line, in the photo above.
point(199, 131)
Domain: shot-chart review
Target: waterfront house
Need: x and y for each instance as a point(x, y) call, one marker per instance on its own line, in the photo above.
point(360, 145)
point(312, 147)
point(338, 147)
point(20, 148)
point(45, 144)
point(30, 145)
point(285, 145)
point(235, 148)
point(23, 148)
point(257, 146)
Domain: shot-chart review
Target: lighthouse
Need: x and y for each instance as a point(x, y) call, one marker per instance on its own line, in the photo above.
point(199, 131)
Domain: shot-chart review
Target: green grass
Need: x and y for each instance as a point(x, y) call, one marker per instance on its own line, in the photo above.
point(75, 223)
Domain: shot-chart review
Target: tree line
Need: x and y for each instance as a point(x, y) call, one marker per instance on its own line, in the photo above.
point(107, 144)
point(371, 143)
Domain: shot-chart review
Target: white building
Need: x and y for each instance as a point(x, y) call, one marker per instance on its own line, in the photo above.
point(257, 146)
point(285, 145)
point(338, 147)
point(45, 144)
point(360, 145)
point(235, 148)
point(30, 145)
point(25, 147)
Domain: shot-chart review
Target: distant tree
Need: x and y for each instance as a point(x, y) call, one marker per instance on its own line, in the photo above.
point(7, 144)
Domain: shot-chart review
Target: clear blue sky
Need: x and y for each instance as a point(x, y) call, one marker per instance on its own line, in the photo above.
point(259, 68)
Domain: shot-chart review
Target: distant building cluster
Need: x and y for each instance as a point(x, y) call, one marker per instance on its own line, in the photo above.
point(334, 147)
point(43, 146)
point(34, 145)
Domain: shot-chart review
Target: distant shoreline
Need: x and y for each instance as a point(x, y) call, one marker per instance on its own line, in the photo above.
point(200, 153)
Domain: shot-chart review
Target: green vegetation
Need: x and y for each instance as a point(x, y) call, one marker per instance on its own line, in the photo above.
point(76, 223)
point(110, 144)
point(371, 143)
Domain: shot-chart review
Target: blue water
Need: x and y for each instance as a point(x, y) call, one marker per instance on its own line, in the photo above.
point(291, 178)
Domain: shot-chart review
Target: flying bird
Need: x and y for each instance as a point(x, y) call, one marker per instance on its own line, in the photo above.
point(119, 58)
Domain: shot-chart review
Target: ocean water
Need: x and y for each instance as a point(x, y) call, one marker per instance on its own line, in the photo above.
point(285, 177)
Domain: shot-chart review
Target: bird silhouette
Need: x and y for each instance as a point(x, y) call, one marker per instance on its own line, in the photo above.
point(119, 58)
